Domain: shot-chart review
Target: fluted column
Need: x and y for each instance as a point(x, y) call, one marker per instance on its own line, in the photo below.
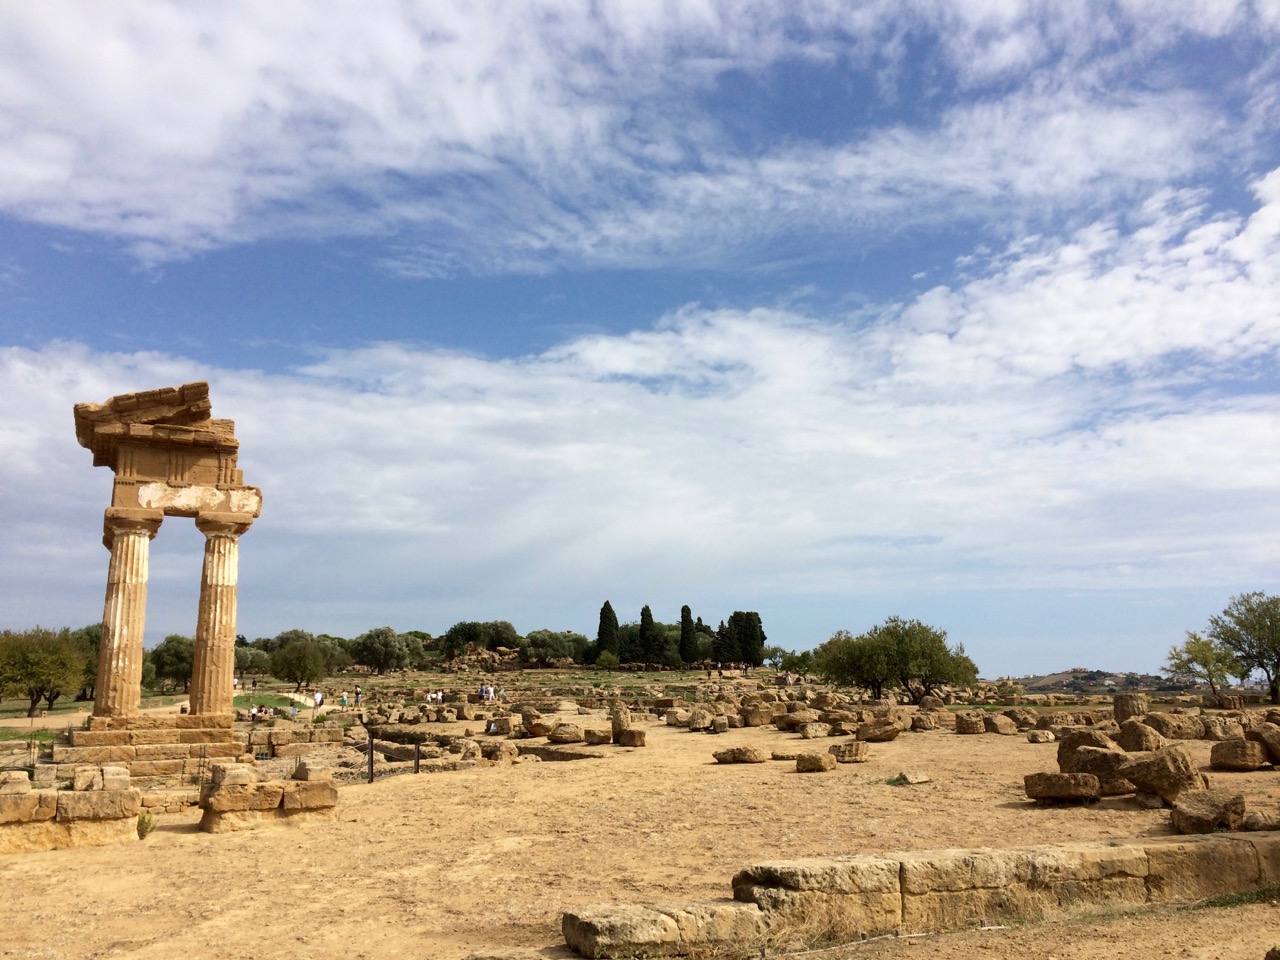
point(213, 669)
point(118, 688)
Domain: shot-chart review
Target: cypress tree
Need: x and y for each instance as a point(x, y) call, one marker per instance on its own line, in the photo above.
point(688, 640)
point(748, 634)
point(650, 645)
point(607, 633)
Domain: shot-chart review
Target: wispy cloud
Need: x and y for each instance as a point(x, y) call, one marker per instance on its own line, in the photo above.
point(1026, 427)
point(490, 138)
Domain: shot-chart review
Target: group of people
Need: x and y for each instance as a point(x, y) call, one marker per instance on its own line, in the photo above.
point(489, 693)
point(722, 667)
point(345, 701)
point(265, 712)
point(435, 696)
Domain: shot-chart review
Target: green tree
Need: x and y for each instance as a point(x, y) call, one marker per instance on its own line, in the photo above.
point(688, 636)
point(629, 643)
point(500, 633)
point(1201, 660)
point(300, 662)
point(799, 663)
point(381, 649)
point(174, 658)
point(724, 645)
point(41, 665)
point(464, 635)
point(847, 661)
point(649, 640)
point(773, 656)
point(921, 658)
point(607, 631)
point(1250, 628)
point(89, 638)
point(607, 661)
point(748, 636)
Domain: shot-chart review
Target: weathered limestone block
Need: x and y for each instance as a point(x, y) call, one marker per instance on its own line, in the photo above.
point(565, 733)
point(932, 703)
point(855, 751)
point(1204, 811)
point(317, 770)
point(620, 719)
point(617, 930)
point(700, 718)
point(1051, 787)
point(925, 721)
point(741, 755)
point(1105, 765)
point(1136, 737)
point(720, 724)
point(34, 805)
point(1179, 871)
point(99, 804)
point(677, 718)
point(631, 737)
point(814, 731)
point(970, 723)
point(596, 737)
point(50, 834)
point(309, 795)
point(1175, 726)
point(161, 768)
point(815, 763)
point(1040, 736)
point(1002, 725)
point(857, 894)
point(506, 751)
point(14, 783)
point(1073, 740)
point(1167, 773)
point(1222, 728)
point(539, 727)
point(1267, 734)
point(249, 796)
point(115, 778)
point(1240, 755)
point(499, 727)
point(1125, 706)
point(756, 714)
point(792, 719)
point(93, 754)
point(879, 731)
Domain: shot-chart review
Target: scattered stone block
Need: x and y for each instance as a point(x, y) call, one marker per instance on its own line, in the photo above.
point(879, 731)
point(1004, 726)
point(1105, 765)
point(596, 737)
point(98, 804)
point(815, 731)
point(1040, 736)
point(87, 778)
point(1238, 755)
point(565, 733)
point(631, 737)
point(912, 777)
point(741, 755)
point(856, 751)
point(1125, 706)
point(14, 783)
point(1175, 726)
point(719, 724)
point(1204, 811)
point(1071, 741)
point(312, 770)
point(1267, 734)
point(1168, 773)
point(1056, 787)
point(969, 724)
point(1136, 737)
point(815, 763)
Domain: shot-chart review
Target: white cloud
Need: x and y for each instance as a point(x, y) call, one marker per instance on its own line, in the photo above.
point(489, 137)
point(1026, 428)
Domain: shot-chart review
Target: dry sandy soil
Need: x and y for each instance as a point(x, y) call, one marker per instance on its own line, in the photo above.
point(482, 862)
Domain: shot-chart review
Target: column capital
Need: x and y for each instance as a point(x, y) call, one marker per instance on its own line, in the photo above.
point(223, 524)
point(119, 521)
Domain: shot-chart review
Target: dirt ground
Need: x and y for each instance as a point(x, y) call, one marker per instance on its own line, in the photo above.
point(482, 862)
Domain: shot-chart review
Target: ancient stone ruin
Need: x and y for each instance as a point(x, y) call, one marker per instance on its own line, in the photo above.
point(170, 459)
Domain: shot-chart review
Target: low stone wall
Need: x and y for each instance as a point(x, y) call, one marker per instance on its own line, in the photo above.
point(291, 739)
point(149, 746)
point(236, 800)
point(850, 897)
point(102, 808)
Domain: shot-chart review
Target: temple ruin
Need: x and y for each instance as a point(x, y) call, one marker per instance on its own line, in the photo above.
point(170, 459)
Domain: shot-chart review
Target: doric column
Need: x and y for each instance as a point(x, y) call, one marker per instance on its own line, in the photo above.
point(214, 666)
point(127, 534)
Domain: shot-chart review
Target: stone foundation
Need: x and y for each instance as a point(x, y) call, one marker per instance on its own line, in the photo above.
point(101, 809)
point(852, 897)
point(237, 800)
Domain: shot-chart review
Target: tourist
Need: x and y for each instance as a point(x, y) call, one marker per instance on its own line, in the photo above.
point(359, 696)
point(343, 700)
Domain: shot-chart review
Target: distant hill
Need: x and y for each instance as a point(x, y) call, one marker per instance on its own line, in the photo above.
point(1084, 679)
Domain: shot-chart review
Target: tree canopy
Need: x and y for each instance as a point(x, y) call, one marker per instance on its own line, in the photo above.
point(300, 662)
point(174, 659)
point(41, 664)
point(1250, 628)
point(897, 654)
point(1201, 660)
point(380, 649)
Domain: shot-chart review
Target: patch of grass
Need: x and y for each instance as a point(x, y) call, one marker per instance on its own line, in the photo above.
point(246, 700)
point(898, 781)
point(40, 736)
point(1265, 895)
point(146, 823)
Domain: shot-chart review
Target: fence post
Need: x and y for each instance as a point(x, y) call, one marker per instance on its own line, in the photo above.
point(371, 759)
point(417, 757)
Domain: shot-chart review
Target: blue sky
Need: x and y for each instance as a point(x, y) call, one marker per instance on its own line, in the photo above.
point(827, 310)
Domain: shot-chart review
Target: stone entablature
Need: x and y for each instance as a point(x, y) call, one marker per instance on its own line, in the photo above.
point(170, 459)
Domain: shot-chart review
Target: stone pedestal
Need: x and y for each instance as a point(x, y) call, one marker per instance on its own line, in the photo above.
point(128, 534)
point(212, 686)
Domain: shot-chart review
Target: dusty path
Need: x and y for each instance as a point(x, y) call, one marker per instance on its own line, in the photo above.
point(445, 865)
